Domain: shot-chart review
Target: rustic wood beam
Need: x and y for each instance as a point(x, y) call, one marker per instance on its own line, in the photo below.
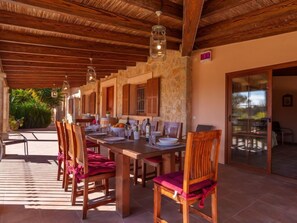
point(52, 51)
point(61, 60)
point(9, 36)
point(54, 69)
point(62, 73)
point(21, 20)
point(276, 19)
point(168, 8)
point(59, 65)
point(97, 15)
point(192, 14)
point(13, 85)
point(217, 6)
point(74, 30)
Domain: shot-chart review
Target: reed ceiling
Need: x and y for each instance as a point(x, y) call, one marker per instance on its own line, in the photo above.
point(41, 41)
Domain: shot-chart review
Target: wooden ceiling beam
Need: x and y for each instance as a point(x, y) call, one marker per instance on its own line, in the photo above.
point(167, 7)
point(61, 60)
point(29, 69)
point(59, 65)
point(53, 51)
point(26, 21)
point(96, 15)
point(192, 14)
point(41, 40)
point(216, 6)
point(73, 30)
point(39, 85)
point(62, 73)
point(276, 19)
point(56, 69)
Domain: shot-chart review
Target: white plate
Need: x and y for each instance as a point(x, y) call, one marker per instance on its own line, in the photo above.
point(167, 144)
point(114, 139)
point(168, 140)
point(97, 134)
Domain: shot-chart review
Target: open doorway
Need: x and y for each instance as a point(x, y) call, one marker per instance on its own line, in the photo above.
point(284, 121)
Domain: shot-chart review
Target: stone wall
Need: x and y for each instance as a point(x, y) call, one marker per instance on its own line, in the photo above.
point(175, 78)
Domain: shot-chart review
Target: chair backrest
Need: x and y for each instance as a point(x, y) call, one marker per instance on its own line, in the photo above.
point(203, 128)
point(70, 141)
point(61, 137)
point(84, 121)
point(276, 126)
point(201, 158)
point(80, 146)
point(175, 129)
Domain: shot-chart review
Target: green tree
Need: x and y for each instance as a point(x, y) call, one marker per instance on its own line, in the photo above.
point(33, 106)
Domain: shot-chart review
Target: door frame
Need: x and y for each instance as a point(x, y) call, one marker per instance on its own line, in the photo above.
point(229, 76)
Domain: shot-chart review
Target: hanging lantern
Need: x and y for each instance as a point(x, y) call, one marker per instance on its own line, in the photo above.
point(54, 92)
point(158, 40)
point(91, 74)
point(66, 85)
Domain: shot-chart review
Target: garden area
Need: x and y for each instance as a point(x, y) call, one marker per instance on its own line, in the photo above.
point(32, 108)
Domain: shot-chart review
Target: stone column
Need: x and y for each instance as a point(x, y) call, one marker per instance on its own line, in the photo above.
point(189, 90)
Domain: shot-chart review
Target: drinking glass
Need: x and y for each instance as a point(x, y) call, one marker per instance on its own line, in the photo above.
point(167, 131)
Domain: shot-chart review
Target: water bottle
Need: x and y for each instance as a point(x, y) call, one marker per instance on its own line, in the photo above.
point(147, 130)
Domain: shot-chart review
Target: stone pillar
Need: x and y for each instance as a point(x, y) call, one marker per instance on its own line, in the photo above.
point(189, 91)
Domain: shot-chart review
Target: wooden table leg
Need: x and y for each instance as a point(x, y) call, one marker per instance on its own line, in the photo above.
point(122, 185)
point(168, 163)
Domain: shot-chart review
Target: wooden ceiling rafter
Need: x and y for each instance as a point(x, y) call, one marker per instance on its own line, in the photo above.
point(59, 65)
point(12, 56)
point(56, 51)
point(73, 30)
point(168, 8)
point(275, 19)
point(42, 40)
point(97, 15)
point(192, 14)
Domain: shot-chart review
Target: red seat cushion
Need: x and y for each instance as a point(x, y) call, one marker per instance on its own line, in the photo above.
point(174, 181)
point(60, 156)
point(155, 159)
point(91, 144)
point(158, 159)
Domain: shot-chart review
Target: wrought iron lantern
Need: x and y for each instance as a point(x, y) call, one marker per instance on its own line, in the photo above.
point(158, 40)
point(91, 73)
point(66, 85)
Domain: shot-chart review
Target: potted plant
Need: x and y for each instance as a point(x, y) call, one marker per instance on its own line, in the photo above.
point(107, 114)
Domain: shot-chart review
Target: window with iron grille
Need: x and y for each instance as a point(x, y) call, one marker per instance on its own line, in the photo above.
point(141, 100)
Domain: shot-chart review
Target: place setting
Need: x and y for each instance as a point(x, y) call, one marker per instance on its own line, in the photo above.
point(164, 143)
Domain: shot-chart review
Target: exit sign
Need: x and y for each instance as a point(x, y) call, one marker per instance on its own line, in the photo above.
point(205, 56)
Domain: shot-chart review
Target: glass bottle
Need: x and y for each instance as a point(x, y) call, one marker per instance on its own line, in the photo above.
point(147, 130)
point(127, 123)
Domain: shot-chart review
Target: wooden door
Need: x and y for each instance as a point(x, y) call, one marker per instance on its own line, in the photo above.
point(110, 100)
point(249, 119)
point(153, 96)
point(126, 99)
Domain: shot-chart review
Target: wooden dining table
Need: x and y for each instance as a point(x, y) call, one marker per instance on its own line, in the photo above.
point(136, 149)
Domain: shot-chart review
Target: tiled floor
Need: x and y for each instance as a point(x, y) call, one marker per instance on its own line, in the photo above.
point(29, 193)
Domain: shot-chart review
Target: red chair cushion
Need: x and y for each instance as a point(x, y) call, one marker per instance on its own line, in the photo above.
point(174, 181)
point(155, 159)
point(60, 156)
point(91, 144)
